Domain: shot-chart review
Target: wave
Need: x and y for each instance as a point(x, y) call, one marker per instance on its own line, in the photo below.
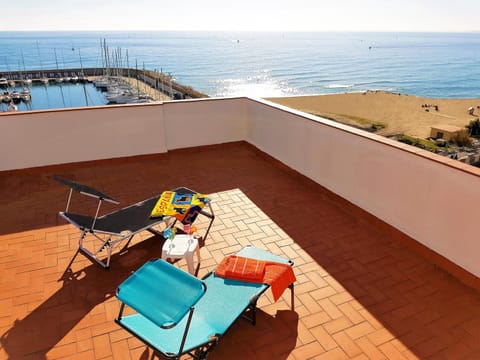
point(338, 86)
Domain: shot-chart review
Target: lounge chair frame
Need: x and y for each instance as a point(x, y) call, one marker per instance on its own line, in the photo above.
point(202, 349)
point(110, 231)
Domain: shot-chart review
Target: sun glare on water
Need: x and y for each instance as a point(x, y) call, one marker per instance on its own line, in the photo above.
point(257, 86)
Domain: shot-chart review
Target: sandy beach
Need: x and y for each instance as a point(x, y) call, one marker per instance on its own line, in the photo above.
point(391, 113)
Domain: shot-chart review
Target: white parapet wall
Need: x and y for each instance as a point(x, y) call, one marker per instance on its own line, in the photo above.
point(432, 199)
point(39, 138)
point(205, 122)
point(42, 138)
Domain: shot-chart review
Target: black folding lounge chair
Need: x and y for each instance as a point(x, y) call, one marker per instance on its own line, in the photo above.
point(178, 314)
point(112, 229)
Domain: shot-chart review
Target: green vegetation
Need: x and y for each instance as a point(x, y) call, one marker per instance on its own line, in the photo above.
point(462, 138)
point(474, 127)
point(421, 143)
point(378, 126)
point(352, 120)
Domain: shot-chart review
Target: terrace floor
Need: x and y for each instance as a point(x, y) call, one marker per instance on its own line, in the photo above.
point(361, 293)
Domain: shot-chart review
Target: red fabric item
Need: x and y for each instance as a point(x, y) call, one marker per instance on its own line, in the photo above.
point(245, 269)
point(278, 276)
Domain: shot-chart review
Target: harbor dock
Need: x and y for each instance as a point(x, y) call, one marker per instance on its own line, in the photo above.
point(157, 85)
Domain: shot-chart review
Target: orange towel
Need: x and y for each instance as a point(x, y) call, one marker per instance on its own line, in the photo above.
point(278, 276)
point(245, 269)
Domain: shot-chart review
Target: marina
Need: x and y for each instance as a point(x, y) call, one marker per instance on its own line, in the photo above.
point(62, 88)
point(53, 96)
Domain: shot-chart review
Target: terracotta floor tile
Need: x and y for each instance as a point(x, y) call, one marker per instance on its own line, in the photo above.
point(120, 350)
point(360, 330)
point(308, 351)
point(370, 350)
point(324, 338)
point(361, 293)
point(380, 337)
point(336, 325)
point(351, 313)
point(63, 351)
point(347, 344)
point(391, 352)
point(334, 354)
point(101, 346)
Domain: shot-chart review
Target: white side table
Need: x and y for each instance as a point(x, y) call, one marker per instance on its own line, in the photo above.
point(182, 247)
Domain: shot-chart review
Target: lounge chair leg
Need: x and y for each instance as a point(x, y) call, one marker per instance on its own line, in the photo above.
point(109, 250)
point(126, 245)
point(120, 313)
point(292, 296)
point(252, 309)
point(82, 236)
point(211, 216)
point(93, 258)
point(187, 327)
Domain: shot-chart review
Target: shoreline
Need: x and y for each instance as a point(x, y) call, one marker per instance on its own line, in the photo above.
point(386, 113)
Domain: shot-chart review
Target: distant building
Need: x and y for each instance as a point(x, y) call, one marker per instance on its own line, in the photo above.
point(446, 132)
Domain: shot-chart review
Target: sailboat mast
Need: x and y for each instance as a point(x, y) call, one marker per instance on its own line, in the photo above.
point(144, 79)
point(105, 49)
point(81, 65)
point(128, 66)
point(136, 72)
point(40, 61)
point(23, 63)
point(56, 60)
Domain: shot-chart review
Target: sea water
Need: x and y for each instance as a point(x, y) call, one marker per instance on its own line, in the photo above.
point(62, 95)
point(440, 65)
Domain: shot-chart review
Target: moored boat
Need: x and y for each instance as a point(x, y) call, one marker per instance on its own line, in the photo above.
point(26, 95)
point(12, 107)
point(16, 97)
point(101, 83)
point(82, 78)
point(6, 98)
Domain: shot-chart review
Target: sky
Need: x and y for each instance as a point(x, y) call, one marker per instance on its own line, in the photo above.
point(245, 15)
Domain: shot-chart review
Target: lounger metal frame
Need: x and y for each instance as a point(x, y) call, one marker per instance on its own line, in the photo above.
point(111, 230)
point(203, 349)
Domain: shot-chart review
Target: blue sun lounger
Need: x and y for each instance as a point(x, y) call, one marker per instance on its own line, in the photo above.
point(177, 314)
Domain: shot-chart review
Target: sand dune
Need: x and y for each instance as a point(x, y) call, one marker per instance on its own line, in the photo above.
point(400, 114)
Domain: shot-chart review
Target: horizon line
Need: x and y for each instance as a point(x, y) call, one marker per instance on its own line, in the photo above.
point(246, 31)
